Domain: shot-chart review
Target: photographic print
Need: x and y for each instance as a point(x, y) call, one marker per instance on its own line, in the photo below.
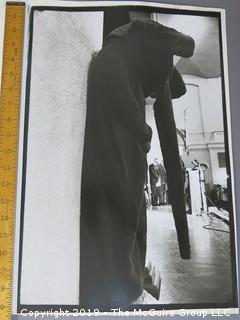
point(125, 191)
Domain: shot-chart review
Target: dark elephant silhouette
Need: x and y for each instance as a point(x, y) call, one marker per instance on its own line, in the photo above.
point(135, 62)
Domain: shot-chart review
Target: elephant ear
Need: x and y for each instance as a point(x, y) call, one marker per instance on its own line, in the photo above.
point(177, 85)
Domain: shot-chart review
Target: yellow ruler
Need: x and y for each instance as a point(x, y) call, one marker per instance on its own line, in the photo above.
point(9, 128)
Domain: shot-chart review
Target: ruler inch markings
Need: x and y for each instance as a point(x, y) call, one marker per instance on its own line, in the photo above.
point(10, 100)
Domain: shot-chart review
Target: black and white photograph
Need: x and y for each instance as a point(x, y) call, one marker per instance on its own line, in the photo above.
point(125, 185)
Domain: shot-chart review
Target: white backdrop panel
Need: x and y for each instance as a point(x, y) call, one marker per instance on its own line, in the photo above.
point(63, 43)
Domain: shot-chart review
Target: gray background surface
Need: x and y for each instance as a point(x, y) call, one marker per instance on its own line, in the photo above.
point(233, 38)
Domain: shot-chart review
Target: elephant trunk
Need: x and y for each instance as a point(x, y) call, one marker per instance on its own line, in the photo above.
point(164, 117)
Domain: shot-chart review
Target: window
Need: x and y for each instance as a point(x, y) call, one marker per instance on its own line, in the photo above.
point(221, 160)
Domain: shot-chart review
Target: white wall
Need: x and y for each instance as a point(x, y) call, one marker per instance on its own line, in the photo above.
point(155, 151)
point(187, 111)
point(211, 104)
point(63, 43)
point(204, 124)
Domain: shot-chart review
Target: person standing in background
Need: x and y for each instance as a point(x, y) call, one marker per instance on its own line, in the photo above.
point(163, 185)
point(154, 172)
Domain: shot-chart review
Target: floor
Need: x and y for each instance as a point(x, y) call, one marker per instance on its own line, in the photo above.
point(206, 277)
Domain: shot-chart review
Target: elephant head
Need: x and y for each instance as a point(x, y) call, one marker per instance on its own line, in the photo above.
point(158, 46)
